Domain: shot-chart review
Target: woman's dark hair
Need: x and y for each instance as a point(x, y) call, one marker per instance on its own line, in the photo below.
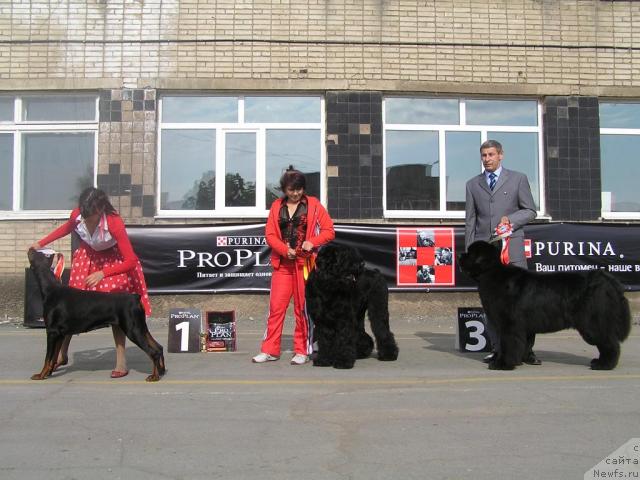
point(93, 200)
point(292, 178)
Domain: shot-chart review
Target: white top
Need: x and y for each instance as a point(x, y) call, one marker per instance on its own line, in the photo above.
point(101, 238)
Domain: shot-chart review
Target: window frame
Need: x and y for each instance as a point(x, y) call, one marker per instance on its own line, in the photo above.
point(221, 129)
point(441, 130)
point(18, 127)
point(616, 131)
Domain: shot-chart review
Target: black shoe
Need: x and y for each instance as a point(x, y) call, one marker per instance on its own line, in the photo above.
point(531, 359)
point(489, 357)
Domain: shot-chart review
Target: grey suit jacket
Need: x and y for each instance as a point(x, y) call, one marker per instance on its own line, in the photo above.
point(511, 197)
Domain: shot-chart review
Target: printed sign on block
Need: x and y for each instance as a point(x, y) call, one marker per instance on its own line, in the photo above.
point(184, 330)
point(472, 333)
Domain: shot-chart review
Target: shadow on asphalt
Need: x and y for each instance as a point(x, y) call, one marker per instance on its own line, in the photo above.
point(444, 342)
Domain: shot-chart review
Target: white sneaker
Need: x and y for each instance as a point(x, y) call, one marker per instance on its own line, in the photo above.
point(299, 359)
point(264, 357)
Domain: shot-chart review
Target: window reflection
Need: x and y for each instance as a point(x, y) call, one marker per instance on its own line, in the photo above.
point(188, 169)
point(502, 112)
point(463, 162)
point(55, 167)
point(59, 108)
point(521, 154)
point(282, 109)
point(240, 166)
point(427, 111)
point(620, 173)
point(6, 171)
point(300, 148)
point(412, 170)
point(6, 109)
point(200, 109)
point(620, 115)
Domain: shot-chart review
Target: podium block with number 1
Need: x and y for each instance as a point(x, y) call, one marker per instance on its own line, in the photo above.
point(184, 330)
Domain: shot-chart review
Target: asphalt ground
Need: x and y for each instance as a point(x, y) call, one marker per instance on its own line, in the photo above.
point(435, 413)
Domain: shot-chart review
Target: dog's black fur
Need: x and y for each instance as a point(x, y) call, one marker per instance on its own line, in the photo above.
point(519, 304)
point(338, 294)
point(68, 311)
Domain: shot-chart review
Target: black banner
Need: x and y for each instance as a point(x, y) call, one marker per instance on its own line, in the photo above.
point(235, 258)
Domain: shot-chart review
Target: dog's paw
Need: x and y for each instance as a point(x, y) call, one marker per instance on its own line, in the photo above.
point(389, 355)
point(596, 364)
point(37, 376)
point(344, 364)
point(496, 365)
point(322, 362)
point(153, 378)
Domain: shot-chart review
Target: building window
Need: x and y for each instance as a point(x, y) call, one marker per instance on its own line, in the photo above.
point(47, 152)
point(224, 155)
point(432, 149)
point(619, 147)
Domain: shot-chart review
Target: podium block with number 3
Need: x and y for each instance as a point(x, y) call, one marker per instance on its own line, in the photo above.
point(184, 330)
point(472, 333)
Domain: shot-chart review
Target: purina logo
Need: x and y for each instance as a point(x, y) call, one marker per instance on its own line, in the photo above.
point(248, 241)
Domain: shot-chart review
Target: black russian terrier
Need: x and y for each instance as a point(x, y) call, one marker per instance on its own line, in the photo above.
point(339, 292)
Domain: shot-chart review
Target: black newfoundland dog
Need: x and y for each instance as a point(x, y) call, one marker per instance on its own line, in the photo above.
point(338, 294)
point(519, 303)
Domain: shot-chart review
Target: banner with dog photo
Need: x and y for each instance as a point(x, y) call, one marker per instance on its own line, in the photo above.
point(235, 258)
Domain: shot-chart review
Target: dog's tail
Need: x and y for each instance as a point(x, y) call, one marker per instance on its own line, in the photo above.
point(610, 292)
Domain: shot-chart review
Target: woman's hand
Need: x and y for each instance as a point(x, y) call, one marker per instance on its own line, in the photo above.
point(291, 253)
point(94, 279)
point(35, 246)
point(307, 246)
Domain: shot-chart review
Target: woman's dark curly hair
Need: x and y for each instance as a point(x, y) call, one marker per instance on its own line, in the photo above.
point(93, 200)
point(292, 178)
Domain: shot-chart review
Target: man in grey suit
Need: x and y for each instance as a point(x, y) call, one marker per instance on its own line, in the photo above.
point(498, 196)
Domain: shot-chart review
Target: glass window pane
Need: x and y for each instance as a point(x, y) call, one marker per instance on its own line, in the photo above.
point(240, 167)
point(502, 112)
point(620, 115)
point(188, 169)
point(521, 154)
point(441, 111)
point(6, 109)
point(463, 163)
point(412, 170)
point(200, 109)
point(620, 173)
point(6, 171)
point(282, 110)
point(300, 148)
point(56, 168)
point(57, 108)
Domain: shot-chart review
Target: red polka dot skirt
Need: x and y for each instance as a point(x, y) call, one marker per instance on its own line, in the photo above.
point(87, 260)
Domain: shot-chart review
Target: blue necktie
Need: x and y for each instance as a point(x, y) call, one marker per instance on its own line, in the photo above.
point(492, 180)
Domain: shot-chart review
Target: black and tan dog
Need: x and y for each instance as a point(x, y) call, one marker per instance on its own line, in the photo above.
point(69, 311)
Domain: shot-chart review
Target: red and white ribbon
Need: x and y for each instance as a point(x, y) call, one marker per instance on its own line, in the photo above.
point(504, 231)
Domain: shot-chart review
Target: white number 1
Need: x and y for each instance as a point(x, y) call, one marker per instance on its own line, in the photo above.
point(184, 338)
point(475, 329)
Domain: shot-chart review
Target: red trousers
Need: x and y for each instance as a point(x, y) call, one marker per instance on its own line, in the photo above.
point(287, 281)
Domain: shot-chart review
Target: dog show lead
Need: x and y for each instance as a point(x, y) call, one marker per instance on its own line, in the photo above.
point(104, 261)
point(297, 225)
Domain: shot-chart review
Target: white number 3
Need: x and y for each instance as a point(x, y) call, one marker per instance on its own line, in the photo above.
point(475, 329)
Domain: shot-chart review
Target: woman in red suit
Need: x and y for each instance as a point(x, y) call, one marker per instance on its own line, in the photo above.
point(104, 261)
point(297, 225)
